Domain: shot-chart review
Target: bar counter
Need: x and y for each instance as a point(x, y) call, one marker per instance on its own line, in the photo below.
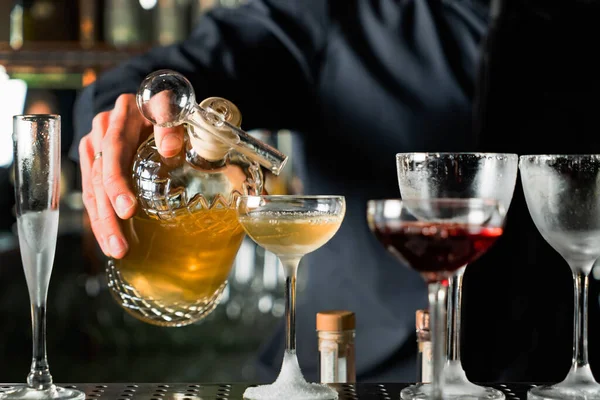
point(190, 391)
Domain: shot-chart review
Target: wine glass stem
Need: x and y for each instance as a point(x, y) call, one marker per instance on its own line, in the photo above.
point(580, 320)
point(290, 267)
point(454, 314)
point(437, 312)
point(39, 377)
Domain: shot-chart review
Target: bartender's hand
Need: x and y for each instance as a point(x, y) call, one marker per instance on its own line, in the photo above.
point(106, 154)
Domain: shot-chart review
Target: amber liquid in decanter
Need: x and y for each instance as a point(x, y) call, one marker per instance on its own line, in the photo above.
point(185, 235)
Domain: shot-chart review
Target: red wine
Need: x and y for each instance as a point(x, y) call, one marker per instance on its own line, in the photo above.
point(436, 250)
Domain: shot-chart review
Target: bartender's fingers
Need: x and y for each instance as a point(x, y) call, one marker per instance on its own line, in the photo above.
point(118, 148)
point(169, 140)
point(106, 224)
point(86, 157)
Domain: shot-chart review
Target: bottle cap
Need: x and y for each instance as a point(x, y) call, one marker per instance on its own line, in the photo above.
point(422, 320)
point(336, 320)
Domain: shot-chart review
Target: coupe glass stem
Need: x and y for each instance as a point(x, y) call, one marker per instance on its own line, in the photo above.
point(580, 320)
point(580, 382)
point(290, 267)
point(454, 315)
point(437, 310)
point(580, 372)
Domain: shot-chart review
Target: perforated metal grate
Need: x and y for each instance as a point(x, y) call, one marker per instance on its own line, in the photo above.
point(187, 391)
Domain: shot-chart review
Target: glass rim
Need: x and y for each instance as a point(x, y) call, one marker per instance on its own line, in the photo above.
point(455, 153)
point(294, 197)
point(34, 117)
point(550, 156)
point(439, 200)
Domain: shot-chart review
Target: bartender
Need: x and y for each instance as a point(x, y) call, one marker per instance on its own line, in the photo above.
point(360, 80)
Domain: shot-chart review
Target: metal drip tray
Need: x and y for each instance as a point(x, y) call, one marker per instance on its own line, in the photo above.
point(189, 391)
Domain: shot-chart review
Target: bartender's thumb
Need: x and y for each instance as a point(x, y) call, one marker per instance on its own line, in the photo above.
point(169, 140)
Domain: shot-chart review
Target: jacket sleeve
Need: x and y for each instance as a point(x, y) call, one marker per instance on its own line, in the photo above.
point(264, 56)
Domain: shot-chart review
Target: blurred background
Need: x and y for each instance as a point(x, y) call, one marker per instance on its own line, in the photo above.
point(49, 50)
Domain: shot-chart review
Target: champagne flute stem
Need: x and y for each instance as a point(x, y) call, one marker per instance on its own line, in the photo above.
point(437, 313)
point(454, 314)
point(39, 376)
point(580, 320)
point(290, 267)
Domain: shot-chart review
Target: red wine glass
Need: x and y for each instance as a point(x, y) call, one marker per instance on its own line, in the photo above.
point(435, 237)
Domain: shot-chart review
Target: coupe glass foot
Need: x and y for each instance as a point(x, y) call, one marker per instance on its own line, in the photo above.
point(588, 391)
point(290, 385)
point(578, 385)
point(458, 386)
point(452, 392)
point(297, 391)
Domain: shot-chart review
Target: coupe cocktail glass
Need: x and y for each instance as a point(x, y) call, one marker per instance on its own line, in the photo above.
point(37, 189)
point(563, 197)
point(291, 227)
point(458, 175)
point(435, 237)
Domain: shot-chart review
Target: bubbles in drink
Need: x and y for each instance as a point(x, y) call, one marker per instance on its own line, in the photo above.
point(291, 385)
point(37, 238)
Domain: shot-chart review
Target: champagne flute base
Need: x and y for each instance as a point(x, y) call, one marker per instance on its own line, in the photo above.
point(422, 391)
point(55, 392)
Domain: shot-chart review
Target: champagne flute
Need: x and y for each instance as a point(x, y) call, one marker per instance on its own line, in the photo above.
point(37, 189)
point(562, 195)
point(291, 227)
point(459, 175)
point(435, 237)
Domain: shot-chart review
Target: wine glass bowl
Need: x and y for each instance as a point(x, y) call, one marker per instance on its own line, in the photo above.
point(435, 237)
point(562, 193)
point(454, 231)
point(291, 227)
point(458, 175)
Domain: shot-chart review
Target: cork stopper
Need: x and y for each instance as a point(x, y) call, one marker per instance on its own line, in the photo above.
point(204, 141)
point(336, 320)
point(422, 320)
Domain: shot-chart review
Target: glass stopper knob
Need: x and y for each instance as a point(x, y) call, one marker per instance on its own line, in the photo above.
point(166, 98)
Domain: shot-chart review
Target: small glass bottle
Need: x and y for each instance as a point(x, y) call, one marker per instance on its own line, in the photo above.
point(424, 355)
point(336, 331)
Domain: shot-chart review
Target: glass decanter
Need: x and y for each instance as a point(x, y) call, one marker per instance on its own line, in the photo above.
point(185, 234)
